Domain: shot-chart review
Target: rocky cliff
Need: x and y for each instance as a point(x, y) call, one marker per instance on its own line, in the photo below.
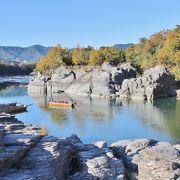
point(108, 81)
point(154, 83)
point(26, 153)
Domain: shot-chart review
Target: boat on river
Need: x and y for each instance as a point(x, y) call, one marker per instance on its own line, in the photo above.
point(60, 104)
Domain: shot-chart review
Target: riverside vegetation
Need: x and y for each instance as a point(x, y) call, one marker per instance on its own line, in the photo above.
point(162, 48)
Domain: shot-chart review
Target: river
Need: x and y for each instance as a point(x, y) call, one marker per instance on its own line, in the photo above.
point(99, 119)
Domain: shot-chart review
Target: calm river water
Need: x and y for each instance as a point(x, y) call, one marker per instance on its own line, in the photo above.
point(100, 119)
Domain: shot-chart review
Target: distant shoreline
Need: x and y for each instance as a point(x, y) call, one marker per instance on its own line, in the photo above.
point(16, 79)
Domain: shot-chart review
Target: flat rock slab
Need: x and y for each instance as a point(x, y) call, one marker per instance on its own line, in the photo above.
point(49, 159)
point(15, 147)
point(11, 155)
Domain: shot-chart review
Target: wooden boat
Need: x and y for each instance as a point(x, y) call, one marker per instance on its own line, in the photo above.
point(13, 109)
point(60, 104)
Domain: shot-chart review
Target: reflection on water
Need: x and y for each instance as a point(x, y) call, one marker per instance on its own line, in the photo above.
point(13, 91)
point(102, 119)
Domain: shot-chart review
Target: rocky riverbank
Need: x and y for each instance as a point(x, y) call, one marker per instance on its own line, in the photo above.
point(123, 81)
point(27, 153)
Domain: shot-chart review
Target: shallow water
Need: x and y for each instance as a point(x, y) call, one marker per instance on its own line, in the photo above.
point(100, 119)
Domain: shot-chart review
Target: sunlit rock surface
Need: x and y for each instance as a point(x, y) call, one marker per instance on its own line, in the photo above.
point(148, 159)
point(25, 153)
point(108, 81)
point(155, 83)
point(102, 81)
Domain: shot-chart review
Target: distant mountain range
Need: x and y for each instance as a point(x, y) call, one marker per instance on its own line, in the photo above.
point(32, 53)
point(123, 46)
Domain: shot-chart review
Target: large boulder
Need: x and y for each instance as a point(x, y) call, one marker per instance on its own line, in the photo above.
point(17, 139)
point(102, 83)
point(155, 83)
point(61, 79)
point(148, 159)
point(49, 159)
point(105, 81)
point(97, 162)
point(15, 147)
point(36, 85)
point(108, 66)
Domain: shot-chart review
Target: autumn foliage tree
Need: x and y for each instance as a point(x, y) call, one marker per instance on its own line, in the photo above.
point(80, 56)
point(162, 48)
point(96, 57)
point(169, 54)
point(104, 54)
point(56, 57)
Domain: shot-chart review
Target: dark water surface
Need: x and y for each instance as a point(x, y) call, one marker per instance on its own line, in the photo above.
point(100, 119)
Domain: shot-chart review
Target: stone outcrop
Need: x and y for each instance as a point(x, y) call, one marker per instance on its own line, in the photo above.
point(148, 159)
point(97, 81)
point(108, 81)
point(48, 159)
point(27, 154)
point(155, 83)
point(97, 162)
point(16, 142)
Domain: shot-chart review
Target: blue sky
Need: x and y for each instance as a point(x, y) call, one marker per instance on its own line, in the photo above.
point(84, 22)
